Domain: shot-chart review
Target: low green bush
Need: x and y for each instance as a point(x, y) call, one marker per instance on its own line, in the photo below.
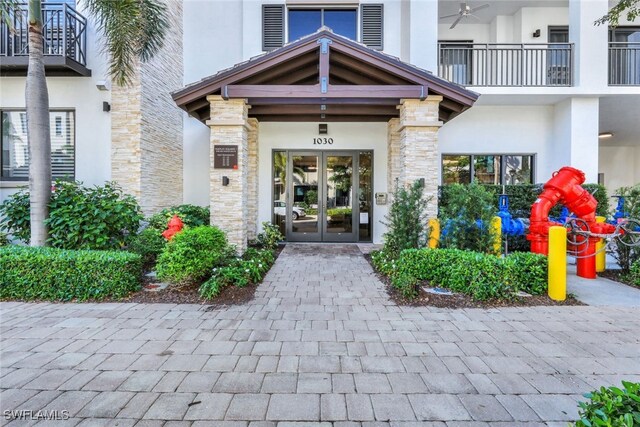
point(634, 274)
point(63, 275)
point(100, 217)
point(479, 275)
point(149, 244)
point(339, 212)
point(191, 255)
point(270, 236)
point(191, 216)
point(4, 240)
point(611, 407)
point(251, 268)
point(528, 272)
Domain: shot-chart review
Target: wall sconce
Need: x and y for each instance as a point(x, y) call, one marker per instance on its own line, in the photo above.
point(106, 107)
point(225, 181)
point(102, 85)
point(536, 33)
point(323, 129)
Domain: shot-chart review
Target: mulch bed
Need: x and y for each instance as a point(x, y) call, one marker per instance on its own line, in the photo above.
point(463, 301)
point(617, 276)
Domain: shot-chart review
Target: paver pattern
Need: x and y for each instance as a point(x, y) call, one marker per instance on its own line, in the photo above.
point(320, 345)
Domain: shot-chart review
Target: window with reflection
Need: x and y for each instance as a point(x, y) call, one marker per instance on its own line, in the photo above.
point(279, 190)
point(303, 22)
point(497, 169)
point(486, 169)
point(456, 169)
point(365, 195)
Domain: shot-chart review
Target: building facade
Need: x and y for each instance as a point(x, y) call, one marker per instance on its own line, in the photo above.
point(306, 112)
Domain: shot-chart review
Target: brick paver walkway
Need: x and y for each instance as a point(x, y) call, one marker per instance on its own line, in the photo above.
point(320, 343)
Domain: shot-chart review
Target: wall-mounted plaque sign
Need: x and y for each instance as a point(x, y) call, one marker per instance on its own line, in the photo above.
point(225, 157)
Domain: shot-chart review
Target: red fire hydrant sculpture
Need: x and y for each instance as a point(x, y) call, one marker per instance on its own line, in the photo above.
point(175, 225)
point(564, 187)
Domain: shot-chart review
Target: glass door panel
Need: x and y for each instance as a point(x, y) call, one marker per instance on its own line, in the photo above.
point(341, 203)
point(303, 207)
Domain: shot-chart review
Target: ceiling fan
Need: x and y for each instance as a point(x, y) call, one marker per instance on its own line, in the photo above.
point(465, 11)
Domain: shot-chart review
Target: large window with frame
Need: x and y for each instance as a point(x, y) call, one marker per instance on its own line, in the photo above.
point(14, 156)
point(303, 22)
point(499, 169)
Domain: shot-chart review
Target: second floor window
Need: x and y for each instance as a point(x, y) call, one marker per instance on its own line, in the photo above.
point(306, 21)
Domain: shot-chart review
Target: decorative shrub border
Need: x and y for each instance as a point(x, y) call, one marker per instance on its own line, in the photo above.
point(64, 275)
point(481, 276)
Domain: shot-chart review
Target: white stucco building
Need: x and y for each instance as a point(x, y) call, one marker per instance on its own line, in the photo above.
point(325, 119)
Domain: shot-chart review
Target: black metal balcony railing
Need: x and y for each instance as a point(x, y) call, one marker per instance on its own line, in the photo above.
point(506, 64)
point(64, 33)
point(624, 63)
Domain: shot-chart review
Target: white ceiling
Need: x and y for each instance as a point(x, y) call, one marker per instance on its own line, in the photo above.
point(485, 16)
point(619, 114)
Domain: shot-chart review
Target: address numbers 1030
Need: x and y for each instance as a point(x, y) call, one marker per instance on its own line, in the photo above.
point(322, 141)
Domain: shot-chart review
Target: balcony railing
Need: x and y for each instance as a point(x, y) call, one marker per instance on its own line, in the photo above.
point(64, 35)
point(490, 64)
point(624, 63)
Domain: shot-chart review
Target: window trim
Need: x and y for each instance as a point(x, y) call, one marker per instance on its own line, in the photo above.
point(502, 155)
point(51, 110)
point(321, 9)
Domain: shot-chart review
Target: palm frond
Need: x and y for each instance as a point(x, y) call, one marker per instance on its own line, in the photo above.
point(134, 31)
point(7, 8)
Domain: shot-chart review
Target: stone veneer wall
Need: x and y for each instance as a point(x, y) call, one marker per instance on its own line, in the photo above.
point(146, 125)
point(252, 179)
point(230, 204)
point(393, 154)
point(418, 126)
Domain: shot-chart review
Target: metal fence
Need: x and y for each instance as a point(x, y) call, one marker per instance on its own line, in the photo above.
point(506, 64)
point(624, 63)
point(64, 32)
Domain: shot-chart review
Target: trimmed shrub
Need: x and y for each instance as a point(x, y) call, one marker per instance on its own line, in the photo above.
point(4, 240)
point(634, 273)
point(64, 275)
point(270, 236)
point(611, 406)
point(191, 255)
point(251, 268)
point(468, 204)
point(191, 216)
point(149, 244)
point(407, 220)
point(479, 275)
point(528, 272)
point(100, 217)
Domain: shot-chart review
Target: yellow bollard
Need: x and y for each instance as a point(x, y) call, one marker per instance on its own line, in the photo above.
point(601, 254)
point(434, 233)
point(496, 223)
point(557, 263)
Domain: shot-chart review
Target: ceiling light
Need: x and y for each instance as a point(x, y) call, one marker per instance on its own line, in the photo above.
point(605, 135)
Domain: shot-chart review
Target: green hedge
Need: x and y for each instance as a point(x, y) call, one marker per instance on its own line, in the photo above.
point(64, 275)
point(482, 276)
point(611, 406)
point(521, 197)
point(634, 273)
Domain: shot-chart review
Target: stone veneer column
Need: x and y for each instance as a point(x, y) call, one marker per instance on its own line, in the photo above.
point(418, 127)
point(146, 125)
point(229, 125)
point(393, 154)
point(252, 179)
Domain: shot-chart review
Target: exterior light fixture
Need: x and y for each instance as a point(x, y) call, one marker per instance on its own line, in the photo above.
point(106, 107)
point(605, 135)
point(536, 33)
point(102, 85)
point(323, 129)
point(225, 181)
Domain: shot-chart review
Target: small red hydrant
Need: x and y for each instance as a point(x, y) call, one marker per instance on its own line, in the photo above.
point(175, 225)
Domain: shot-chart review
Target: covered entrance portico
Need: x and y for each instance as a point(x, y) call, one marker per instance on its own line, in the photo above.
point(321, 78)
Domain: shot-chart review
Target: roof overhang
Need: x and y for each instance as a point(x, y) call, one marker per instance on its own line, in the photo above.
point(324, 77)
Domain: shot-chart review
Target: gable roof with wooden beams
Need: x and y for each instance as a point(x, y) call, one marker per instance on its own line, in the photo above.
point(324, 77)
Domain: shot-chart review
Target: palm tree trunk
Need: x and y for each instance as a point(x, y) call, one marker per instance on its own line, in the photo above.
point(37, 102)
